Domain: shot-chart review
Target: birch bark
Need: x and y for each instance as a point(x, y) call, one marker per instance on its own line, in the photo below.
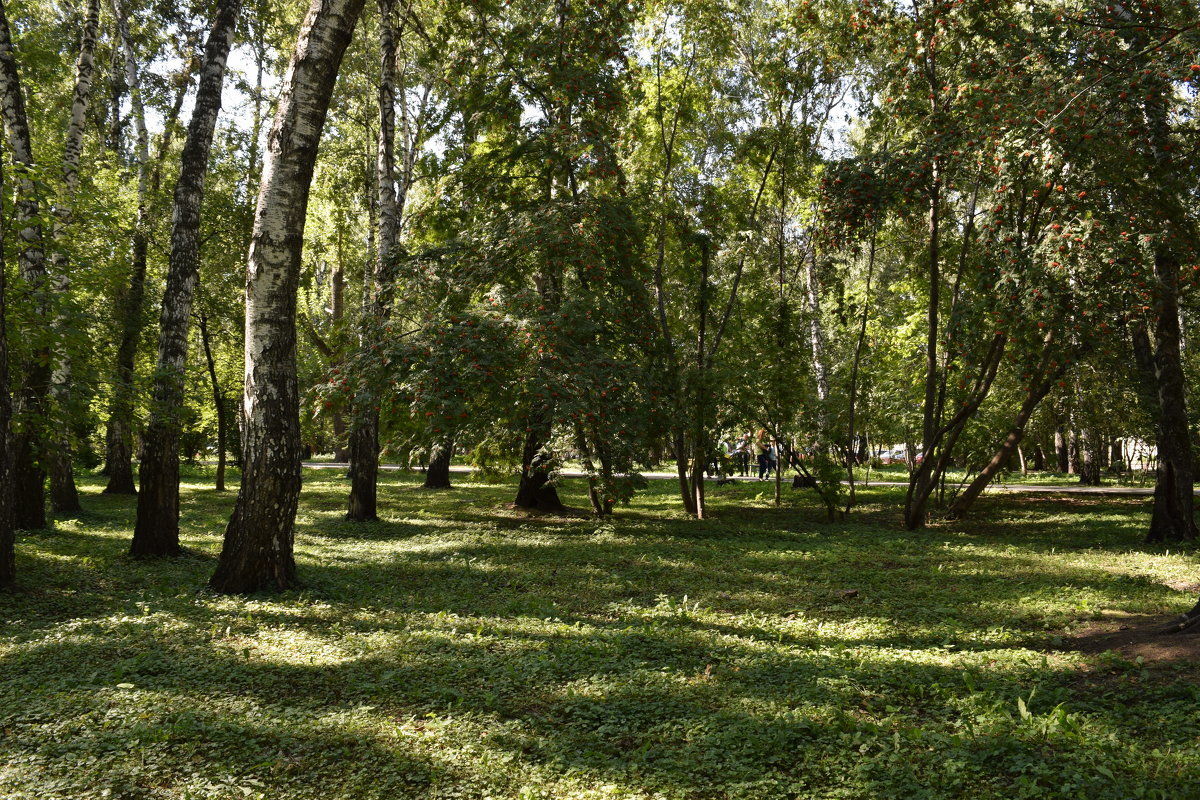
point(64, 497)
point(156, 531)
point(364, 430)
point(257, 552)
point(28, 478)
point(119, 434)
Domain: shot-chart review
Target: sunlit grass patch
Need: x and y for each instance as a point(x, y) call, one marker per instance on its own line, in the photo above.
point(460, 648)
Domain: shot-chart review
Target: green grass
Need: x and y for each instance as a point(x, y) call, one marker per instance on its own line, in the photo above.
point(899, 473)
point(458, 649)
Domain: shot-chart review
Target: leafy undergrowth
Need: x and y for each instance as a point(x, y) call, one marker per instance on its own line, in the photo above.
point(460, 649)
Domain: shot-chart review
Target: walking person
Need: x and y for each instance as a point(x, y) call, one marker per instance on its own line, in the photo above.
point(760, 450)
point(743, 455)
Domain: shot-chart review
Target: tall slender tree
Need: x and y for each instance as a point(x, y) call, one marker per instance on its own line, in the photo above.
point(119, 435)
point(28, 477)
point(364, 424)
point(7, 544)
point(64, 497)
point(257, 551)
point(156, 531)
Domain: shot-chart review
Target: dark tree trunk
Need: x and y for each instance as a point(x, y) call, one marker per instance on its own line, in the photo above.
point(118, 464)
point(921, 481)
point(1015, 433)
point(1089, 457)
point(7, 534)
point(220, 406)
point(681, 470)
point(1061, 448)
point(64, 497)
point(27, 477)
point(701, 388)
point(1039, 458)
point(535, 489)
point(928, 475)
point(364, 467)
point(1073, 454)
point(257, 552)
point(341, 451)
point(156, 530)
point(1172, 519)
point(364, 426)
point(858, 455)
point(1170, 196)
point(437, 476)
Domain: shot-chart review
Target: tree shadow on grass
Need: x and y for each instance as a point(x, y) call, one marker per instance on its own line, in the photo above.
point(669, 709)
point(696, 659)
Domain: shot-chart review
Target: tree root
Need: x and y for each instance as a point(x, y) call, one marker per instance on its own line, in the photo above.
point(1189, 622)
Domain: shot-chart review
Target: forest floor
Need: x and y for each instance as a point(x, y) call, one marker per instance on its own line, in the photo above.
point(458, 648)
point(1126, 483)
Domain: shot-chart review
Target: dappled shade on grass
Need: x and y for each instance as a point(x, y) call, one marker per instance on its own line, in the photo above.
point(458, 647)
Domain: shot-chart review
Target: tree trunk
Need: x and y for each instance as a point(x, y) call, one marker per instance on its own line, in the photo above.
point(438, 474)
point(119, 434)
point(853, 454)
point(1061, 449)
point(535, 489)
point(341, 452)
point(1039, 459)
point(681, 470)
point(1012, 441)
point(816, 334)
point(28, 479)
point(1173, 518)
point(1089, 456)
point(219, 405)
point(7, 534)
point(701, 388)
point(930, 473)
point(257, 551)
point(921, 481)
point(1073, 454)
point(156, 530)
point(64, 497)
point(364, 430)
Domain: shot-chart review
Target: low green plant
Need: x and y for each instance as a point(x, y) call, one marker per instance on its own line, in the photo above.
point(457, 648)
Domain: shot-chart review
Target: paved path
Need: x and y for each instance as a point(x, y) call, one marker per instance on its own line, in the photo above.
point(1010, 488)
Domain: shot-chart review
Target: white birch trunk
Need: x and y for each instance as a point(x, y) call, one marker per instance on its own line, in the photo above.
point(257, 552)
point(364, 431)
point(119, 437)
point(28, 478)
point(63, 495)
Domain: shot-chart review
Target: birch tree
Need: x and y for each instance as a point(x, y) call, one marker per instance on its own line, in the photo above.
point(156, 531)
point(119, 434)
point(28, 477)
point(364, 430)
point(257, 551)
point(64, 498)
